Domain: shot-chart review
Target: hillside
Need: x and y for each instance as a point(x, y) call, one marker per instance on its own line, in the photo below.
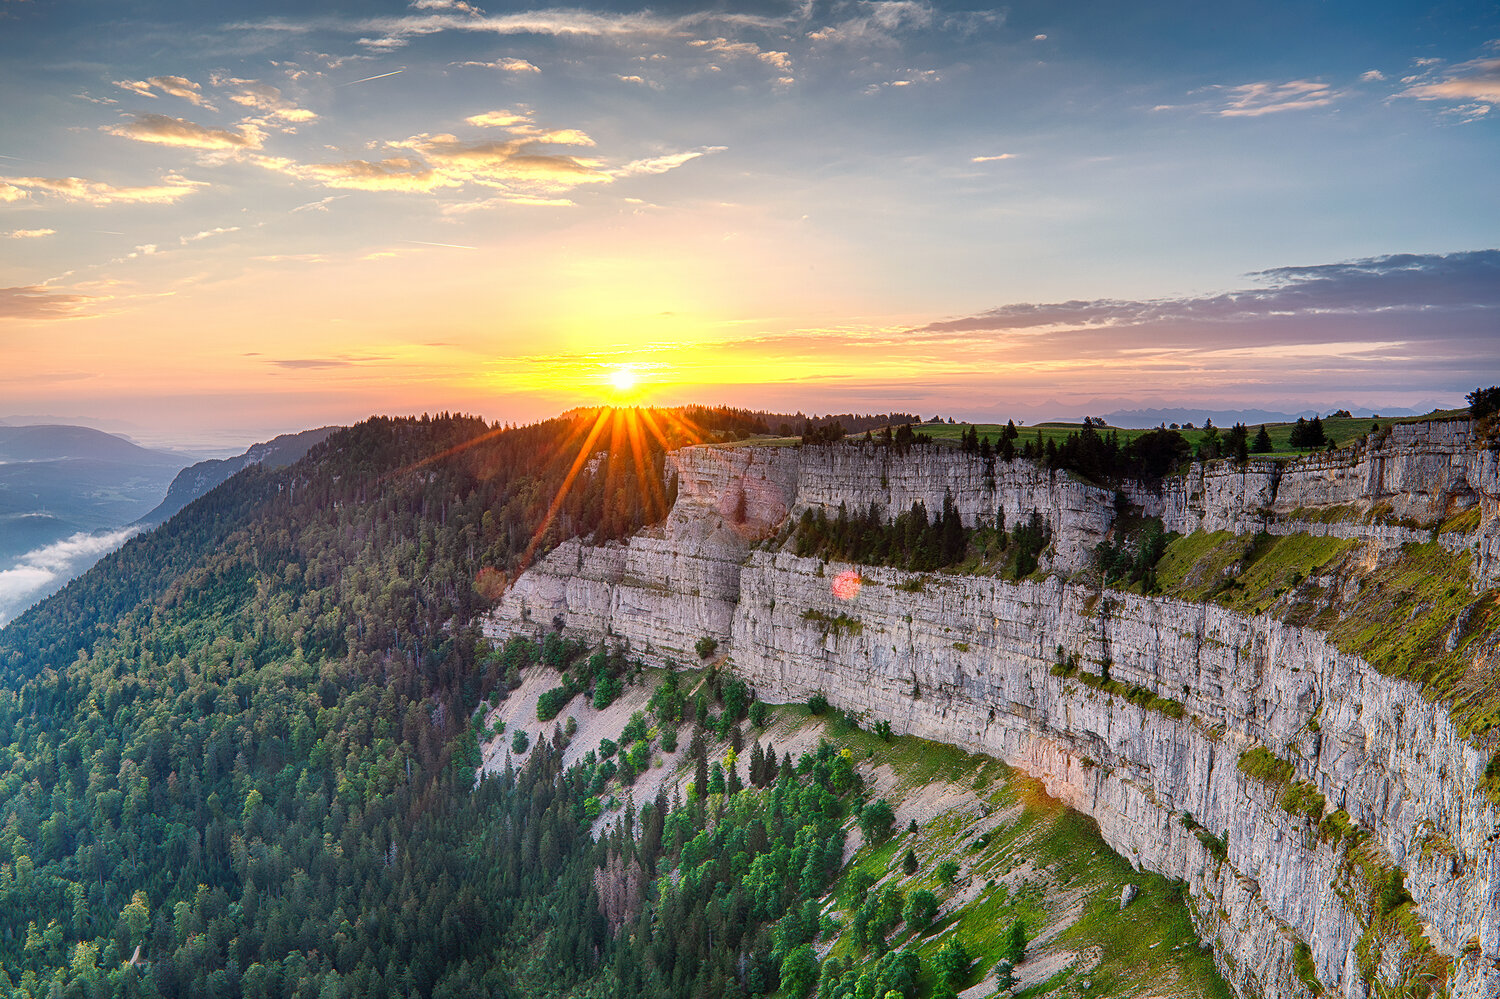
point(447, 709)
point(1274, 680)
point(197, 479)
point(233, 757)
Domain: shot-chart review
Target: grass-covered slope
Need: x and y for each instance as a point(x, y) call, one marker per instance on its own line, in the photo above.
point(233, 758)
point(948, 863)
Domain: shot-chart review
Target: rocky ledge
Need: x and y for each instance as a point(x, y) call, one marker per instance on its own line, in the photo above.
point(1301, 794)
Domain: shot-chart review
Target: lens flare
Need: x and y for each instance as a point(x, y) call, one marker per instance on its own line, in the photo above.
point(846, 585)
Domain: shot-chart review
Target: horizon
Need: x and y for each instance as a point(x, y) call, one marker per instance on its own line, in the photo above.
point(226, 226)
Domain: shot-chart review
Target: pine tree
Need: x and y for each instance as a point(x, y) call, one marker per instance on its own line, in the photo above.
point(1262, 443)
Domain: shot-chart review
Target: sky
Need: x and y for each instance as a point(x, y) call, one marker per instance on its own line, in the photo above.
point(237, 219)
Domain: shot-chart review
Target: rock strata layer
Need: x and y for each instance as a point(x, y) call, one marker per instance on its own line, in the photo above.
point(1147, 731)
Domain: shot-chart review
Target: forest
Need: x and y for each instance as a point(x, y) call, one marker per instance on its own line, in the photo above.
point(236, 758)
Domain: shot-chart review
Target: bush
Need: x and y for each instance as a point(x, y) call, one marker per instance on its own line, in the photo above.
point(921, 909)
point(669, 739)
point(950, 965)
point(818, 704)
point(1014, 949)
point(947, 871)
point(520, 742)
point(706, 646)
point(551, 702)
point(876, 819)
point(909, 862)
point(759, 714)
point(606, 689)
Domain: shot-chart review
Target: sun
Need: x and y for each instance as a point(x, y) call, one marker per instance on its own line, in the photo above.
point(623, 379)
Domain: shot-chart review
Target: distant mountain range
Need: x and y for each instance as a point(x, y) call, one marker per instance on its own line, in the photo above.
point(70, 495)
point(195, 480)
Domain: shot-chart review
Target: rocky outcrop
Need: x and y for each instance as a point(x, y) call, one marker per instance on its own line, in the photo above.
point(1154, 756)
point(1392, 489)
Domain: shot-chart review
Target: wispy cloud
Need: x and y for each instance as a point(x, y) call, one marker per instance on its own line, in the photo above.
point(319, 363)
point(208, 234)
point(43, 570)
point(30, 233)
point(1466, 283)
point(504, 65)
point(1251, 100)
point(173, 187)
point(172, 86)
point(168, 131)
point(992, 159)
point(661, 164)
point(1470, 88)
point(321, 205)
point(265, 99)
point(37, 302)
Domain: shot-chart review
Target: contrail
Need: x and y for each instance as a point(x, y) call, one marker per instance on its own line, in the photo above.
point(454, 246)
point(367, 79)
point(107, 232)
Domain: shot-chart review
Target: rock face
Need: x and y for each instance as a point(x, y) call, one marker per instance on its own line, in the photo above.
point(972, 661)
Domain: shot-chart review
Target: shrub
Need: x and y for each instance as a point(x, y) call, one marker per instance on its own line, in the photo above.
point(759, 714)
point(706, 646)
point(950, 964)
point(551, 702)
point(818, 704)
point(909, 862)
point(520, 742)
point(606, 689)
point(876, 819)
point(947, 871)
point(1014, 949)
point(921, 909)
point(669, 739)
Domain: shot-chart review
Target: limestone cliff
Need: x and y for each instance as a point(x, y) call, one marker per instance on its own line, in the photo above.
point(1136, 710)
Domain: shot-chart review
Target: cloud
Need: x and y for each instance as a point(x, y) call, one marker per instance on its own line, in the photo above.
point(266, 99)
point(878, 22)
point(661, 164)
point(321, 205)
point(1411, 285)
point(1252, 100)
point(318, 363)
point(1372, 76)
point(172, 188)
point(458, 5)
point(781, 61)
point(992, 159)
point(168, 131)
point(520, 164)
point(912, 78)
point(30, 233)
point(504, 65)
point(43, 570)
point(208, 233)
point(172, 86)
point(1478, 80)
point(37, 302)
point(499, 119)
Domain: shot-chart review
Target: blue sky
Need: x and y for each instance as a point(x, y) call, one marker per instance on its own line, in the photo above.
point(260, 217)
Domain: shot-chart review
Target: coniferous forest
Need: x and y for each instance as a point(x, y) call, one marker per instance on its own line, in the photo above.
point(238, 760)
